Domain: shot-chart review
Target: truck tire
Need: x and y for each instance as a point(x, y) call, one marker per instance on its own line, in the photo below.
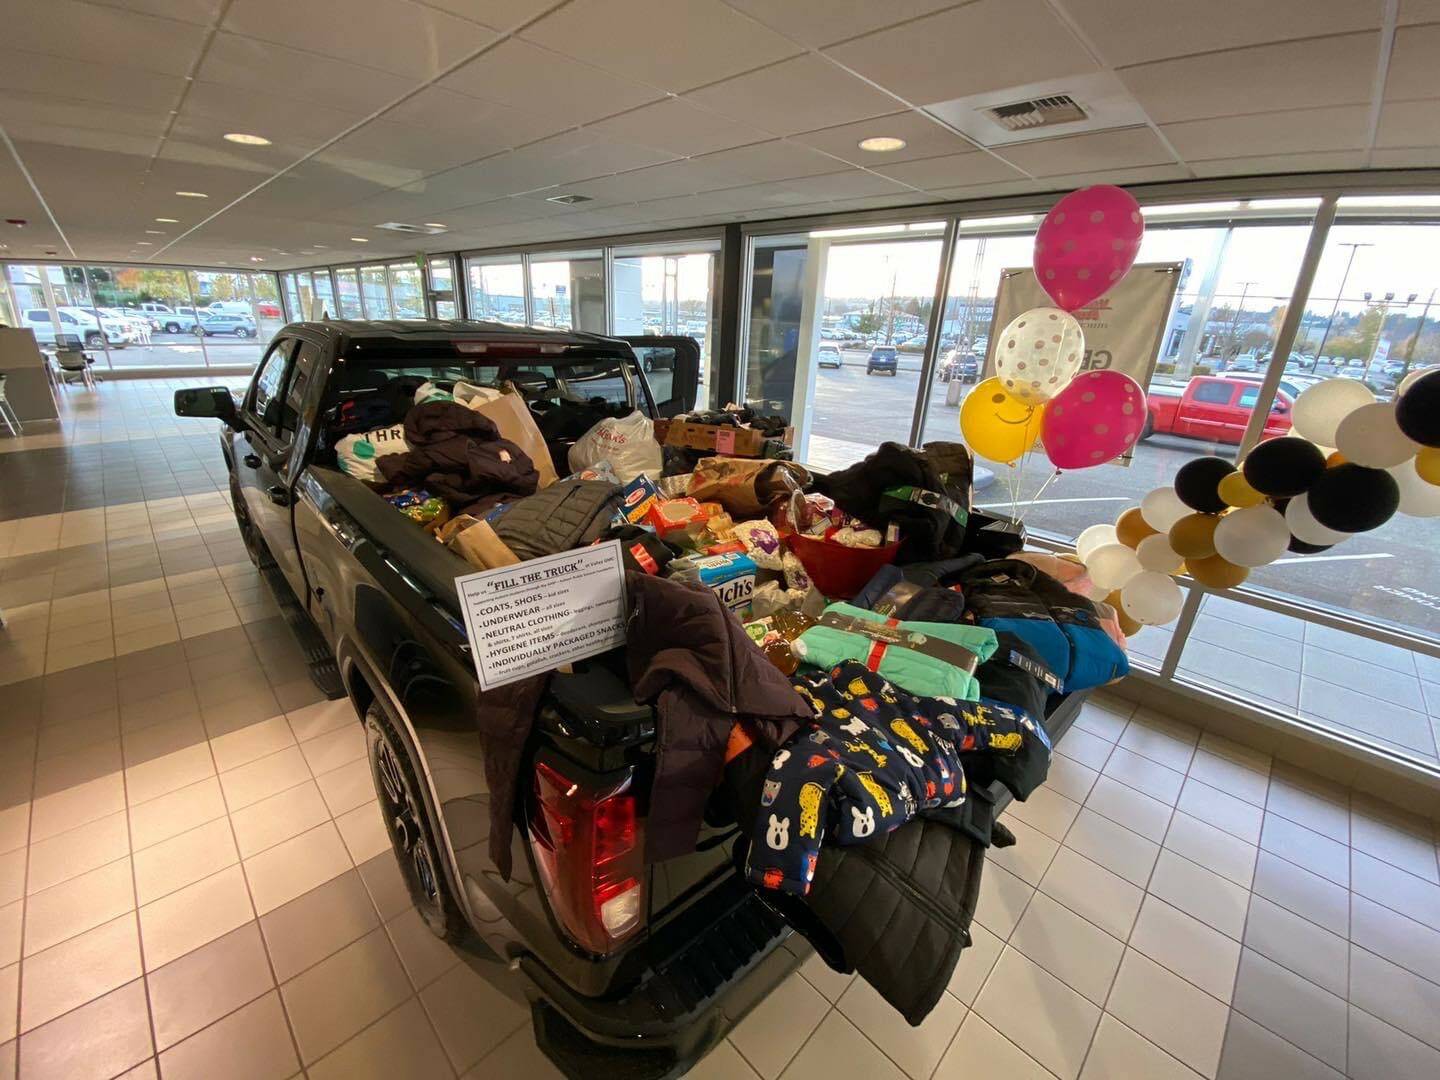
point(411, 837)
point(94, 339)
point(172, 327)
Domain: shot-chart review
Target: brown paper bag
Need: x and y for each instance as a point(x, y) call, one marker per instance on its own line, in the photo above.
point(744, 486)
point(512, 416)
point(475, 542)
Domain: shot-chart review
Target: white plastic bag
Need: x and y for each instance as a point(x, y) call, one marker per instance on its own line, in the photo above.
point(356, 454)
point(628, 443)
point(429, 392)
point(472, 396)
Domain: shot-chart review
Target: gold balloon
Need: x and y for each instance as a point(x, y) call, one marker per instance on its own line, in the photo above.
point(1217, 573)
point(1236, 491)
point(997, 425)
point(1128, 626)
point(1427, 464)
point(1334, 458)
point(1193, 536)
point(1131, 528)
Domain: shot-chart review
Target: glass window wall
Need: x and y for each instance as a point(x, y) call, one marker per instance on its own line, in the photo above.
point(442, 288)
point(407, 292)
point(375, 292)
point(347, 281)
point(497, 289)
point(668, 291)
point(568, 291)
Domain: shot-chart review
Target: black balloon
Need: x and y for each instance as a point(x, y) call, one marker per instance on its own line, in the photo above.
point(1198, 480)
point(1284, 467)
point(1300, 547)
point(1417, 411)
point(1351, 498)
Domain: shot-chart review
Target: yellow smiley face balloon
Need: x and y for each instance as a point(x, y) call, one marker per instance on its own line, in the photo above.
point(997, 425)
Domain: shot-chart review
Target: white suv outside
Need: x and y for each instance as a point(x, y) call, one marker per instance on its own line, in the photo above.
point(78, 328)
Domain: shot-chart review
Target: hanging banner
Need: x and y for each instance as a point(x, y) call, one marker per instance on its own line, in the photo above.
point(1123, 329)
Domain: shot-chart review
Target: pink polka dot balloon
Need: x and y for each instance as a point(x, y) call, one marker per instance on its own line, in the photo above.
point(1086, 243)
point(1093, 420)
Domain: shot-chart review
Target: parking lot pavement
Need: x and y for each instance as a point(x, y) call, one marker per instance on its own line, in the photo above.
point(1388, 573)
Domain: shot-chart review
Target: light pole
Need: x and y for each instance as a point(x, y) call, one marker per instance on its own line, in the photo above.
point(1339, 293)
point(1415, 337)
point(1235, 322)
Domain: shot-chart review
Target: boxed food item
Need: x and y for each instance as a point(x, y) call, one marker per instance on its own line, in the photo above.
point(724, 439)
point(637, 497)
point(731, 577)
point(677, 519)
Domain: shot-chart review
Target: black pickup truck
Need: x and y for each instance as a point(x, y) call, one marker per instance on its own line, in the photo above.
point(635, 973)
point(374, 596)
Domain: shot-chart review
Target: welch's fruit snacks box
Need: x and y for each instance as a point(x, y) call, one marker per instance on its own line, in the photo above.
point(731, 577)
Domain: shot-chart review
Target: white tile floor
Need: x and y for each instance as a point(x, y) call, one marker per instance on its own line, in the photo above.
point(194, 881)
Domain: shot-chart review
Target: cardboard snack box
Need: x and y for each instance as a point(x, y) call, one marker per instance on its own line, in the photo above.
point(724, 440)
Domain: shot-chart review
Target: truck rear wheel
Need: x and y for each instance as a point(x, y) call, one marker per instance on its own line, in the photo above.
point(411, 836)
point(254, 546)
point(1148, 429)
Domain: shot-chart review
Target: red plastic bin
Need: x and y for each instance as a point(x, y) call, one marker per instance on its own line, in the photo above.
point(836, 570)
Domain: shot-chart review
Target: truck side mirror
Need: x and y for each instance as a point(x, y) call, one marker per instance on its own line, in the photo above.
point(211, 401)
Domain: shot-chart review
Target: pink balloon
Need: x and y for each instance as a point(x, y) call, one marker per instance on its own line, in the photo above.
point(1086, 243)
point(1093, 420)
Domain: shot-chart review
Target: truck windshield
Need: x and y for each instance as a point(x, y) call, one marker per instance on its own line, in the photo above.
point(549, 380)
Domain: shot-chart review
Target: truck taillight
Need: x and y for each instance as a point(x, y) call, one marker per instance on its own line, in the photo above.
point(589, 850)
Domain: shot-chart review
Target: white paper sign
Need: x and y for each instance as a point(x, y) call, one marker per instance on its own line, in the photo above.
point(532, 617)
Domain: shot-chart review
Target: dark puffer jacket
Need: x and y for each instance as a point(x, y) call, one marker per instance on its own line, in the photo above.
point(692, 659)
point(566, 515)
point(458, 454)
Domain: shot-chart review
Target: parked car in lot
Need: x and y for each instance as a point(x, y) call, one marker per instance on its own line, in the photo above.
point(827, 356)
point(1215, 408)
point(268, 310)
point(78, 328)
point(212, 323)
point(964, 366)
point(882, 358)
point(228, 307)
point(1294, 385)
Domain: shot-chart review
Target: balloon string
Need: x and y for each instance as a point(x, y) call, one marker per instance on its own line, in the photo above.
point(1036, 497)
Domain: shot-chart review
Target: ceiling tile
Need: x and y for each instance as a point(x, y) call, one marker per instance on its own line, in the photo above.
point(952, 170)
point(44, 110)
point(501, 14)
point(237, 61)
point(657, 182)
point(1409, 158)
point(1408, 124)
point(192, 11)
point(776, 160)
point(967, 50)
point(1292, 75)
point(85, 32)
point(679, 128)
point(796, 95)
point(1344, 127)
point(532, 79)
point(392, 35)
point(1419, 11)
point(1412, 64)
point(419, 151)
point(89, 81)
point(1280, 163)
point(824, 22)
point(484, 126)
point(923, 137)
point(1146, 174)
point(879, 202)
point(1134, 31)
point(987, 191)
point(1084, 153)
point(674, 45)
point(226, 109)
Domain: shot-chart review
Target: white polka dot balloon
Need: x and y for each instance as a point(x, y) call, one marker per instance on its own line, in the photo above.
point(1039, 353)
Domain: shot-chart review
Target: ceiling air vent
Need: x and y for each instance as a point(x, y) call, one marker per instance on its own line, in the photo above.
point(416, 230)
point(1037, 113)
point(569, 200)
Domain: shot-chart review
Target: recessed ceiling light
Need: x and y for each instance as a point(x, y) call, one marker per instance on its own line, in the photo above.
point(882, 144)
point(192, 194)
point(247, 140)
point(359, 239)
point(435, 225)
point(143, 243)
point(154, 232)
point(322, 245)
point(169, 220)
point(568, 200)
point(257, 258)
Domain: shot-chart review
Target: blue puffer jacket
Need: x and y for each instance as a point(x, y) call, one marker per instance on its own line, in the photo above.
point(1061, 626)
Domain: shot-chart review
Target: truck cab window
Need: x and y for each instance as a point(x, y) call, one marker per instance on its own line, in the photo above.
point(268, 406)
point(1247, 398)
point(1216, 393)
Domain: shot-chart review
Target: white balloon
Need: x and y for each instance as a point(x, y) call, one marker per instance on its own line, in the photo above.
point(1112, 565)
point(1162, 508)
point(1411, 379)
point(1369, 436)
point(1156, 554)
point(1039, 353)
point(1417, 497)
point(1253, 536)
point(1093, 537)
point(1152, 598)
point(1304, 527)
point(1319, 410)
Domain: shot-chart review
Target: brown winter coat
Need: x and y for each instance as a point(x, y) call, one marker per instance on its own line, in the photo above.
point(458, 454)
point(691, 658)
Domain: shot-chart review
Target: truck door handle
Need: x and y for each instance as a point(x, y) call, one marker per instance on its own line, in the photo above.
point(278, 495)
point(252, 460)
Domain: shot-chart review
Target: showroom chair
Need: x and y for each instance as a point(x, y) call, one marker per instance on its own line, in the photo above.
point(73, 362)
point(7, 411)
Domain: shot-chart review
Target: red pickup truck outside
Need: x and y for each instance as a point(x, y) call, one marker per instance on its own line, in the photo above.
point(1213, 409)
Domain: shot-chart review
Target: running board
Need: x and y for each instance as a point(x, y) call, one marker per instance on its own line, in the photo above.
point(320, 661)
